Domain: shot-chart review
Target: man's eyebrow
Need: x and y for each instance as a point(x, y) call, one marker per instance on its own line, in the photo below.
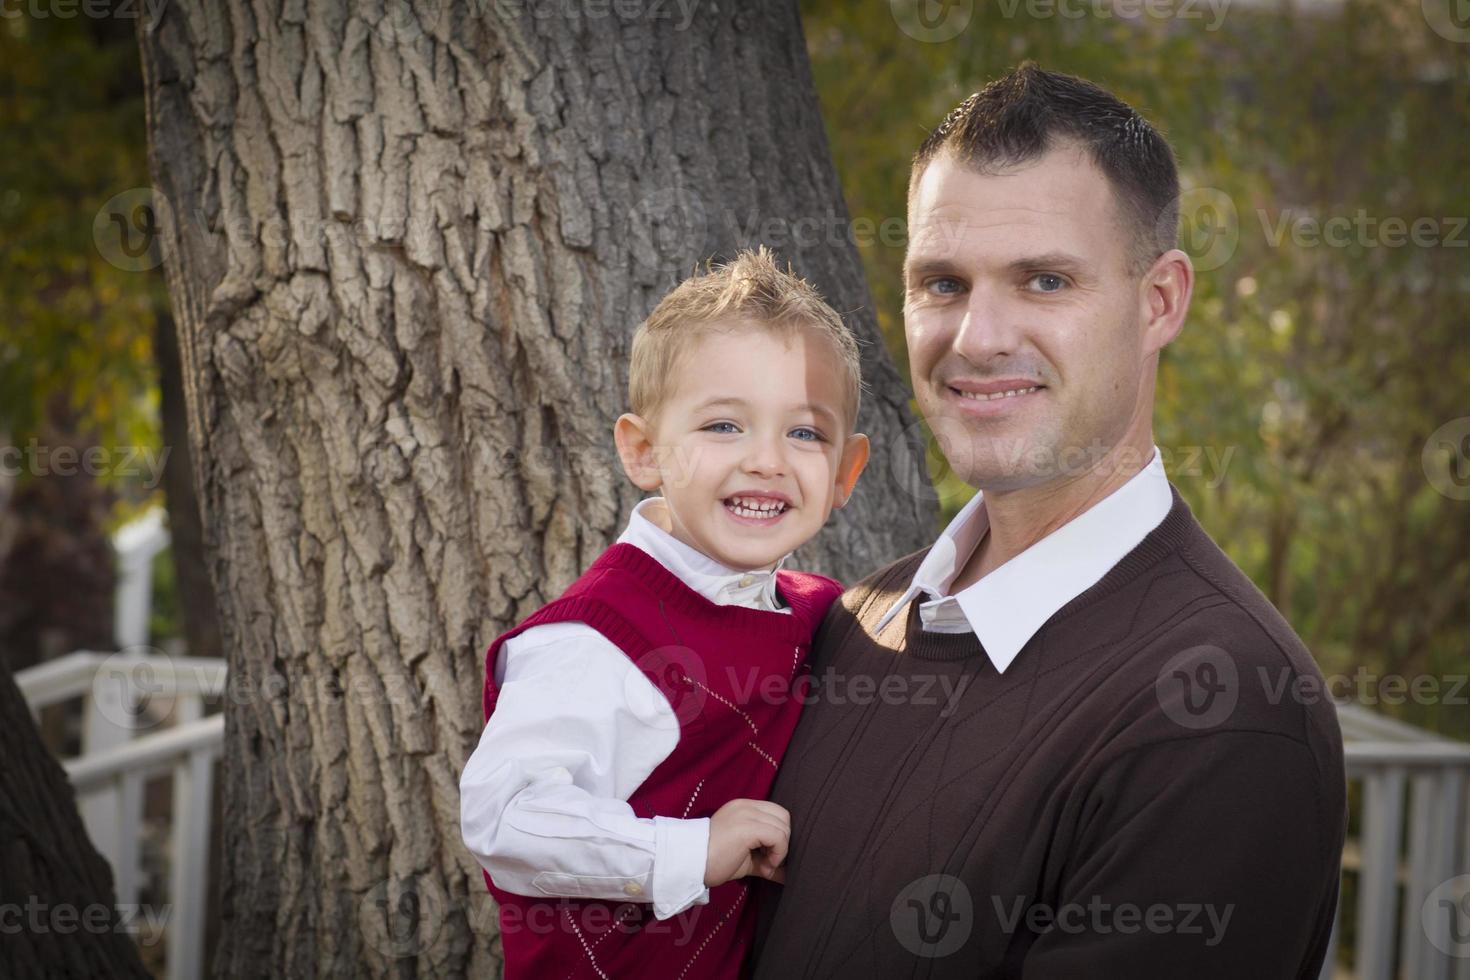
point(1046, 261)
point(921, 265)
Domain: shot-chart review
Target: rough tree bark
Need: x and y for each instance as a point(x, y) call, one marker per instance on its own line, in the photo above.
point(57, 913)
point(406, 248)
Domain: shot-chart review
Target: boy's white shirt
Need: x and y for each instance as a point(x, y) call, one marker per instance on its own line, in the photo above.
point(576, 729)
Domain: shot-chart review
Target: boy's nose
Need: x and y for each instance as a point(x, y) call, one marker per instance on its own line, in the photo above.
point(765, 457)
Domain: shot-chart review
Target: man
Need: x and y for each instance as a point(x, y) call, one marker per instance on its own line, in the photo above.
point(1062, 740)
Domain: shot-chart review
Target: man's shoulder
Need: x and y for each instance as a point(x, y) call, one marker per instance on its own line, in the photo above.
point(1226, 660)
point(1240, 609)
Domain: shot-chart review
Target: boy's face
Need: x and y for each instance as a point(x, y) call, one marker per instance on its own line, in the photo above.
point(756, 417)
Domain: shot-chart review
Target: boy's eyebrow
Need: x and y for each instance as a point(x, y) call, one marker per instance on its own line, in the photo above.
point(812, 407)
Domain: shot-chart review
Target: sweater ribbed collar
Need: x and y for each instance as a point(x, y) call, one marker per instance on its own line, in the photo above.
point(1174, 530)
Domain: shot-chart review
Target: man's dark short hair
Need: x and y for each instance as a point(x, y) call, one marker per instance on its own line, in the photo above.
point(1026, 112)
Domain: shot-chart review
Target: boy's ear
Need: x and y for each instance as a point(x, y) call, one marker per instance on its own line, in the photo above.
point(634, 438)
point(854, 460)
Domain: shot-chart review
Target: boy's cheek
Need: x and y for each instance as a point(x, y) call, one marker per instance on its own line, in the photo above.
point(681, 464)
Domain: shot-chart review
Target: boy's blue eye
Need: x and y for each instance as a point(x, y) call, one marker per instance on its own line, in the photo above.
point(713, 424)
point(816, 436)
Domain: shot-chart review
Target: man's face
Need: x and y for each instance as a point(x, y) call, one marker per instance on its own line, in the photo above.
point(1018, 283)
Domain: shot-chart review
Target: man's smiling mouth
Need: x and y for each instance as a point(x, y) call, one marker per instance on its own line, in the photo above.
point(1008, 393)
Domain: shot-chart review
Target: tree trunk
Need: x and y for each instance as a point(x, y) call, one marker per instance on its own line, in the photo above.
point(406, 253)
point(57, 911)
point(185, 536)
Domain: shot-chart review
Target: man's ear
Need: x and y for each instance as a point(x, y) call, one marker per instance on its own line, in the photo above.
point(854, 460)
point(1167, 288)
point(634, 438)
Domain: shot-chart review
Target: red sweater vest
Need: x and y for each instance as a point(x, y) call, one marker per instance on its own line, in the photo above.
point(736, 678)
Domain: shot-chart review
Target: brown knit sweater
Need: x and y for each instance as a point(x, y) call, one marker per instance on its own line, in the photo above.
point(1144, 793)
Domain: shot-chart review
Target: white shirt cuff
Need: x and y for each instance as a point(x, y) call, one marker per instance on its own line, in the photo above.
point(681, 850)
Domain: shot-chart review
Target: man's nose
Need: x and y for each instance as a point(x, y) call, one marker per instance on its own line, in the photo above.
point(989, 329)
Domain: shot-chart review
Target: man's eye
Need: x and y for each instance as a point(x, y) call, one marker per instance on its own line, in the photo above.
point(945, 286)
point(1049, 282)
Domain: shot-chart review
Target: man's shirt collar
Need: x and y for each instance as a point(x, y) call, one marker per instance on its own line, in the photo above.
point(715, 581)
point(1006, 607)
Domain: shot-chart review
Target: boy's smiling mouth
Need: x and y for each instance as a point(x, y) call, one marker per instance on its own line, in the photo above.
point(757, 508)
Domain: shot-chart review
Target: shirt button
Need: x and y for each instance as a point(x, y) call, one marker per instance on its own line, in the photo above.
point(633, 888)
point(746, 581)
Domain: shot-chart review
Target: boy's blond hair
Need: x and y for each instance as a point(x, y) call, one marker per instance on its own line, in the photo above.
point(751, 288)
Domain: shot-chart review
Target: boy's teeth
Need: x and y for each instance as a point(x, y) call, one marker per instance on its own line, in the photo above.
point(999, 394)
point(746, 507)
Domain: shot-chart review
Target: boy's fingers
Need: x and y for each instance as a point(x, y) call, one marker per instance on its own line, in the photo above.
point(770, 809)
point(778, 875)
point(768, 833)
point(776, 853)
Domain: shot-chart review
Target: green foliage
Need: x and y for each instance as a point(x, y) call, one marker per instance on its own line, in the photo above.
point(72, 323)
point(1314, 373)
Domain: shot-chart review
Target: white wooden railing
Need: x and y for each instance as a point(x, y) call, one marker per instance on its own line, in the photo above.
point(124, 697)
point(1410, 782)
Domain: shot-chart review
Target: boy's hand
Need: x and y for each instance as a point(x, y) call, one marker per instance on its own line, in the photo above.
point(747, 837)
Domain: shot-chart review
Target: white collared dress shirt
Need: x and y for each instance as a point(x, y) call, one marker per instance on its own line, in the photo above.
point(1006, 607)
point(577, 728)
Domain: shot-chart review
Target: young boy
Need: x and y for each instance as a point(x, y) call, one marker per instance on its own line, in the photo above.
point(634, 724)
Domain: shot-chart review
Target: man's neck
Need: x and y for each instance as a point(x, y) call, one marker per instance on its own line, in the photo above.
point(1019, 518)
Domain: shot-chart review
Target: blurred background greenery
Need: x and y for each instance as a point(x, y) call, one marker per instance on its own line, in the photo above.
point(1297, 409)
